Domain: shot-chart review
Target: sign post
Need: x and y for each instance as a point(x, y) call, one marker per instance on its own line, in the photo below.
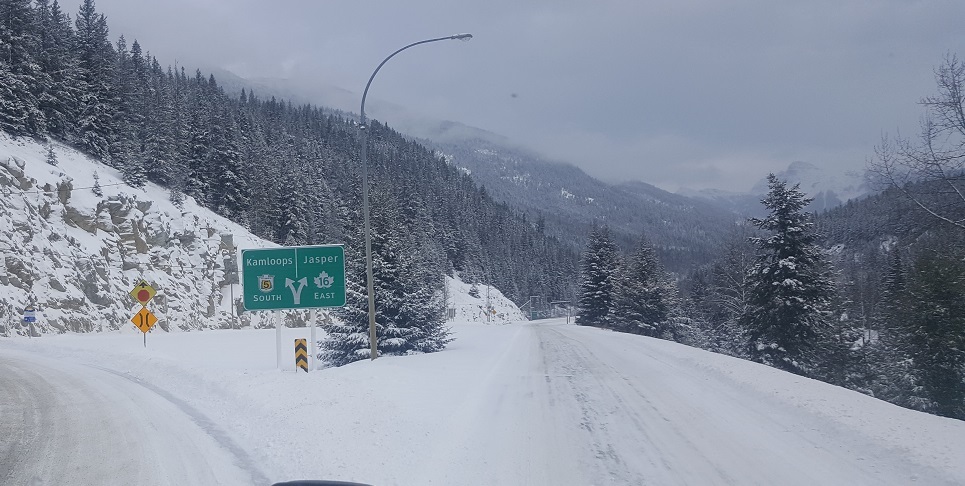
point(298, 277)
point(278, 338)
point(30, 316)
point(301, 355)
point(314, 356)
point(144, 319)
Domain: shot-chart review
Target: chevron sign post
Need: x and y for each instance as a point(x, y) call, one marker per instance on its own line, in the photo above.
point(301, 355)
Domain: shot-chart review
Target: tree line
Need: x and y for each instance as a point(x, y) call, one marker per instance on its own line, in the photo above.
point(288, 173)
point(886, 319)
point(868, 295)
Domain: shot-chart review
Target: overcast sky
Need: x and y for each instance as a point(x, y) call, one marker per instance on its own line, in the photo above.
point(698, 94)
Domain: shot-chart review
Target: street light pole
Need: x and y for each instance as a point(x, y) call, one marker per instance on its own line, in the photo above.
point(365, 187)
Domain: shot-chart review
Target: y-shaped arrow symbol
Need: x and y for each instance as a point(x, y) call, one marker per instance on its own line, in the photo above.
point(297, 293)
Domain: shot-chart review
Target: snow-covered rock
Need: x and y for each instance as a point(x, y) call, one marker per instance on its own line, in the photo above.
point(75, 255)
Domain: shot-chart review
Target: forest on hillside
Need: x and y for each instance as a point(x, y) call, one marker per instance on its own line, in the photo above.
point(289, 173)
point(868, 295)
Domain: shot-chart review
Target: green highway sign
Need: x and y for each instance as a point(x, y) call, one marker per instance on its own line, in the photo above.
point(294, 277)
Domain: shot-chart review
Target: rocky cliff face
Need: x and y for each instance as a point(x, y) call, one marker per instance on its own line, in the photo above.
point(75, 255)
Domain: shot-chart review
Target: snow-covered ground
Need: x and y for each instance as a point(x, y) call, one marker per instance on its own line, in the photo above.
point(75, 255)
point(488, 305)
point(523, 403)
point(514, 403)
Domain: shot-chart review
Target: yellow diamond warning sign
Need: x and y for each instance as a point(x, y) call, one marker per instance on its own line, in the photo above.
point(143, 292)
point(144, 320)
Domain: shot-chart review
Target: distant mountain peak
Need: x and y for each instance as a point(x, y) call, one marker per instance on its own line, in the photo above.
point(819, 183)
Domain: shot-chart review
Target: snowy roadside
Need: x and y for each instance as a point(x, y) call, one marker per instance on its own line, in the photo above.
point(364, 422)
point(527, 403)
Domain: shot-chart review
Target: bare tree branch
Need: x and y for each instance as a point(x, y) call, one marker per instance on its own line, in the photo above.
point(930, 171)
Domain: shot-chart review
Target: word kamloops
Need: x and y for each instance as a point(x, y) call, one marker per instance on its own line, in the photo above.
point(262, 262)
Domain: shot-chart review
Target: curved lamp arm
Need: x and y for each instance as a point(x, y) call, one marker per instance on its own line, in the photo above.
point(365, 93)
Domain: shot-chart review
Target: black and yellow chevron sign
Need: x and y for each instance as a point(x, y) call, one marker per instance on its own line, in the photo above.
point(301, 354)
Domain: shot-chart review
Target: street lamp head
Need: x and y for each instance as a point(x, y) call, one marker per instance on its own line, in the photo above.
point(462, 37)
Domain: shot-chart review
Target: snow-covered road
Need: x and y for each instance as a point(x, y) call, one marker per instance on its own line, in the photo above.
point(541, 403)
point(598, 409)
point(651, 415)
point(80, 425)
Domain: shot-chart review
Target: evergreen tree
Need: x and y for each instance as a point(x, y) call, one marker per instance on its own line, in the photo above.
point(176, 196)
point(51, 155)
point(198, 182)
point(420, 299)
point(936, 321)
point(132, 168)
point(127, 150)
point(96, 188)
point(890, 358)
point(58, 96)
point(408, 294)
point(160, 142)
point(598, 272)
point(97, 108)
point(790, 285)
point(229, 196)
point(640, 295)
point(20, 75)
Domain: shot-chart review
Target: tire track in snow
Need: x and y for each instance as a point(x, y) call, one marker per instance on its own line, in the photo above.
point(702, 428)
point(88, 427)
point(241, 457)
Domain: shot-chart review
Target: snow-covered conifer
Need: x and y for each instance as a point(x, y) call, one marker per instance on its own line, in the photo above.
point(598, 272)
point(51, 155)
point(790, 285)
point(96, 189)
point(640, 294)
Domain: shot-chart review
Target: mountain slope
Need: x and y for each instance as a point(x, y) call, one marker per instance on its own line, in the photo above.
point(76, 255)
point(559, 198)
point(567, 202)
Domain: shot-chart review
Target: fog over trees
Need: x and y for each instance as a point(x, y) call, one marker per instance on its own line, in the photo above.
point(867, 295)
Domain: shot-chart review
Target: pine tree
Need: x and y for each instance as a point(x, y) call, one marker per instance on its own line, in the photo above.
point(790, 285)
point(598, 272)
point(936, 321)
point(20, 75)
point(198, 182)
point(51, 155)
point(176, 196)
point(640, 295)
point(96, 189)
point(160, 144)
point(97, 121)
point(127, 149)
point(230, 193)
point(408, 295)
point(890, 355)
point(57, 96)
